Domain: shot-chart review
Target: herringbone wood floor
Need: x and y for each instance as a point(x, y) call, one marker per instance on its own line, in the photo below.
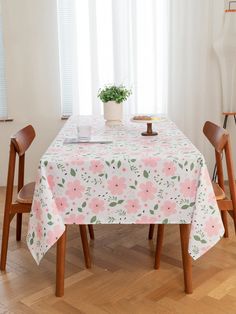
point(122, 279)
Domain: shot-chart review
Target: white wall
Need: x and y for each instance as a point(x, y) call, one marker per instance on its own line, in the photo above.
point(32, 71)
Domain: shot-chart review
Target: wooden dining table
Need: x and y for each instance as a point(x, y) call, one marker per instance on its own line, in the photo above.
point(132, 179)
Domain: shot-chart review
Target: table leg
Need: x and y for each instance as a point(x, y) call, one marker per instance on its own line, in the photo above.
point(84, 239)
point(186, 258)
point(160, 235)
point(91, 232)
point(151, 231)
point(60, 272)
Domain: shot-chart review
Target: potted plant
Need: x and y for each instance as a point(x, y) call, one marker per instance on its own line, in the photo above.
point(112, 98)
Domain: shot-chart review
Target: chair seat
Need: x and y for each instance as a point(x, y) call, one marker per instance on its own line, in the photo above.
point(219, 193)
point(25, 195)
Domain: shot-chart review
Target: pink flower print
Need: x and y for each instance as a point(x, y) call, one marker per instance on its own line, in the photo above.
point(96, 166)
point(74, 219)
point(147, 191)
point(168, 208)
point(146, 220)
point(97, 205)
point(150, 162)
point(116, 185)
point(51, 182)
point(61, 203)
point(169, 168)
point(74, 189)
point(54, 234)
point(78, 162)
point(132, 206)
point(213, 227)
point(39, 231)
point(188, 188)
point(37, 210)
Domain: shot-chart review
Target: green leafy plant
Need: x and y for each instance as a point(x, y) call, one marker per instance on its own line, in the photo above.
point(114, 93)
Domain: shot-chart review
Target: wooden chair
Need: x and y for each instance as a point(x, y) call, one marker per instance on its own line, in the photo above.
point(220, 140)
point(19, 144)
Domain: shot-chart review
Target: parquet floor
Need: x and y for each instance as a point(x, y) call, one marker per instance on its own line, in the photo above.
point(122, 279)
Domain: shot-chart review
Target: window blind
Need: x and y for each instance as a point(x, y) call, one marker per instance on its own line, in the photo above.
point(3, 101)
point(66, 37)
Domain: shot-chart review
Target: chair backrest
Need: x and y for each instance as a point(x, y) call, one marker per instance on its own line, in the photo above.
point(220, 140)
point(216, 135)
point(19, 144)
point(23, 139)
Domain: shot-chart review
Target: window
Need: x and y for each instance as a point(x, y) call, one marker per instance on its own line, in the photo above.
point(113, 42)
point(3, 102)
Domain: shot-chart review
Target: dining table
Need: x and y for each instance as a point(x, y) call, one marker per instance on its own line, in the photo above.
point(123, 177)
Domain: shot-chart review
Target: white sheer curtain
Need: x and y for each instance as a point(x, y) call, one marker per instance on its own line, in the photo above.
point(113, 42)
point(3, 100)
point(194, 80)
point(163, 49)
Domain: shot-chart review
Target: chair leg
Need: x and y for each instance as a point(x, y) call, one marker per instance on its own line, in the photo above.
point(18, 226)
point(5, 237)
point(91, 232)
point(84, 239)
point(225, 223)
point(151, 231)
point(60, 267)
point(186, 258)
point(160, 235)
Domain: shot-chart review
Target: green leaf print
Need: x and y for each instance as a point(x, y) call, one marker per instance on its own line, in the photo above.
point(31, 241)
point(93, 219)
point(145, 174)
point(192, 166)
point(152, 212)
point(80, 209)
point(45, 163)
point(49, 216)
point(118, 164)
point(197, 238)
point(84, 204)
point(156, 207)
point(120, 201)
point(50, 223)
point(113, 204)
point(132, 187)
point(72, 172)
point(108, 163)
point(165, 221)
point(185, 206)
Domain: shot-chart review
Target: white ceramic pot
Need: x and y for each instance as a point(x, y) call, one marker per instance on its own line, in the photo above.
point(113, 112)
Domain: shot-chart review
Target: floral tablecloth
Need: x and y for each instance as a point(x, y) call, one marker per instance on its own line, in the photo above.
point(134, 180)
